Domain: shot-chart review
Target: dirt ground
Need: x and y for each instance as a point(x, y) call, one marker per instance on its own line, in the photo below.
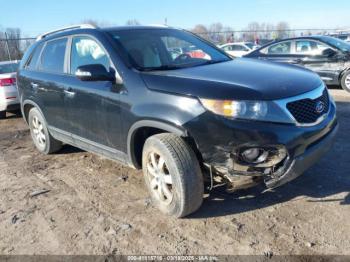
point(97, 206)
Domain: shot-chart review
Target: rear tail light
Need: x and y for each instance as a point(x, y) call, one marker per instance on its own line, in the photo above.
point(7, 81)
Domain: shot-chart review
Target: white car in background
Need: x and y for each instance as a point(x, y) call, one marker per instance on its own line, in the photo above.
point(8, 89)
point(238, 49)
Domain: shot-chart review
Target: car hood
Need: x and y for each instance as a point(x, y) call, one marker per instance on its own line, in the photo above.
point(244, 79)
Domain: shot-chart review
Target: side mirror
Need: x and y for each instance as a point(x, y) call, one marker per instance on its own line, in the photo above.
point(329, 52)
point(94, 72)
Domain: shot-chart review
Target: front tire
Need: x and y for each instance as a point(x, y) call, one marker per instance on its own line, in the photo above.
point(345, 81)
point(42, 139)
point(2, 114)
point(172, 175)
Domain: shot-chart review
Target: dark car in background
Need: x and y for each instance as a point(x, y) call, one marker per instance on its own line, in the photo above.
point(327, 56)
point(121, 93)
point(343, 36)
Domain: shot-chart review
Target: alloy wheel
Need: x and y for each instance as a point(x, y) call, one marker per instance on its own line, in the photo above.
point(347, 81)
point(38, 131)
point(160, 180)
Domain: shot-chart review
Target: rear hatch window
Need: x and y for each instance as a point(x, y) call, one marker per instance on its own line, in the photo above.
point(8, 68)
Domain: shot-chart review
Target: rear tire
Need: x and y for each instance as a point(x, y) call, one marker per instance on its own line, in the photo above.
point(345, 81)
point(2, 114)
point(42, 139)
point(172, 175)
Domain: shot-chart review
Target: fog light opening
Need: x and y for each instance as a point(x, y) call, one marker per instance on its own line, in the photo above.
point(254, 155)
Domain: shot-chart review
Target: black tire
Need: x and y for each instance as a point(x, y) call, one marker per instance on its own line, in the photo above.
point(2, 114)
point(51, 145)
point(181, 164)
point(345, 81)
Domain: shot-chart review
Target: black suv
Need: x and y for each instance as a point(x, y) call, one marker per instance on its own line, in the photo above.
point(186, 118)
point(325, 55)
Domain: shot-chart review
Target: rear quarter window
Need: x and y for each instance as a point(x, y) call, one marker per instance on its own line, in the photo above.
point(33, 60)
point(8, 68)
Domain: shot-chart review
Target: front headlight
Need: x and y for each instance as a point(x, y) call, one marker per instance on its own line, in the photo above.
point(247, 109)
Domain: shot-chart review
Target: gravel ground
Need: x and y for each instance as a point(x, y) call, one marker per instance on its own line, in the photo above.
point(96, 206)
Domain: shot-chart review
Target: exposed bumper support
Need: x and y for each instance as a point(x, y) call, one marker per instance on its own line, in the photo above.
point(301, 163)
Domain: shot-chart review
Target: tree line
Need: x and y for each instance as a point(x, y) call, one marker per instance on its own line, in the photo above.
point(217, 32)
point(12, 44)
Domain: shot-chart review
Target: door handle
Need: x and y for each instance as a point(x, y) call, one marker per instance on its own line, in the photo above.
point(297, 61)
point(69, 92)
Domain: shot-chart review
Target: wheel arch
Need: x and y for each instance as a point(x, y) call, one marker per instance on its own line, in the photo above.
point(26, 106)
point(143, 129)
point(343, 72)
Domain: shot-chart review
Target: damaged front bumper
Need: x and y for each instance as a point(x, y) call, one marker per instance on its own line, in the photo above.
point(219, 138)
point(303, 162)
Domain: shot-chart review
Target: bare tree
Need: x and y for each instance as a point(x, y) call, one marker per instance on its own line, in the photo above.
point(91, 22)
point(282, 30)
point(10, 44)
point(253, 34)
point(132, 22)
point(201, 30)
point(229, 34)
point(215, 32)
point(265, 31)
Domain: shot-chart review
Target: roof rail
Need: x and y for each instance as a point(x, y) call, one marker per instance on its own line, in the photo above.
point(82, 26)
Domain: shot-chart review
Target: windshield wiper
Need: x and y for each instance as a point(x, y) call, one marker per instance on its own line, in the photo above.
point(173, 67)
point(160, 68)
point(210, 62)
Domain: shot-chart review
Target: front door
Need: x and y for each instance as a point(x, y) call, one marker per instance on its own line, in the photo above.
point(92, 106)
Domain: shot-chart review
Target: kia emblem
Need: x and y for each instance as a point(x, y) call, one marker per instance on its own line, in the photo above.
point(320, 106)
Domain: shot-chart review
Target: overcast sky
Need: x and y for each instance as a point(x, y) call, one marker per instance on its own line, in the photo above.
point(37, 16)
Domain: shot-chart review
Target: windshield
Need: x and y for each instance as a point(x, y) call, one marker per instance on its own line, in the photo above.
point(165, 49)
point(340, 44)
point(8, 68)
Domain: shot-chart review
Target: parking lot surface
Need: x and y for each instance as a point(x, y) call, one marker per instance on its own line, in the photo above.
point(75, 202)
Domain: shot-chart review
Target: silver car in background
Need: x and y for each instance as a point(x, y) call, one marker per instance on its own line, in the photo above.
point(8, 89)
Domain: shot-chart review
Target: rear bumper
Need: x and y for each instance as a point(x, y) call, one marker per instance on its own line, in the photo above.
point(303, 162)
point(9, 98)
point(9, 105)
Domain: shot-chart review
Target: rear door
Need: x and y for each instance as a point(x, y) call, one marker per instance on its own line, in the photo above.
point(50, 81)
point(93, 108)
point(43, 80)
point(309, 53)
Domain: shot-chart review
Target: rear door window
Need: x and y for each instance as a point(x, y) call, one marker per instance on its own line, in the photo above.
point(309, 47)
point(8, 68)
point(52, 58)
